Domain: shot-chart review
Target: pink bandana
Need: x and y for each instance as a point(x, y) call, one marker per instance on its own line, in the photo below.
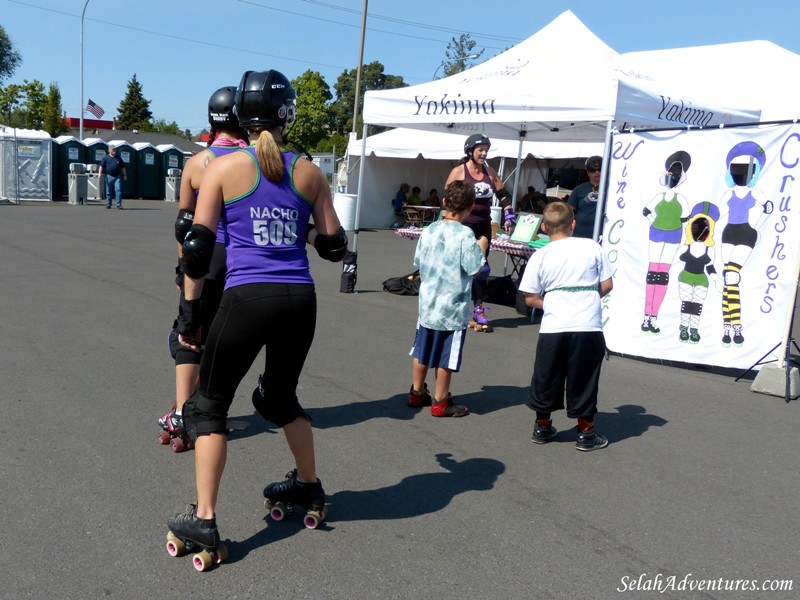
point(229, 142)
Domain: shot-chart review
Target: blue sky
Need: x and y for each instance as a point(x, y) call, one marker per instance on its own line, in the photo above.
point(182, 50)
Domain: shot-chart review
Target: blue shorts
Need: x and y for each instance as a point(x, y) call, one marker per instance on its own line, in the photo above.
point(439, 349)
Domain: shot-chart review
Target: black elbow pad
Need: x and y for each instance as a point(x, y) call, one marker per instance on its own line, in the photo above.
point(197, 250)
point(502, 194)
point(331, 247)
point(183, 224)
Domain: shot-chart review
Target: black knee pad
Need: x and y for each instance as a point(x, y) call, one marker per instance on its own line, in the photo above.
point(275, 411)
point(203, 415)
point(657, 278)
point(691, 308)
point(180, 353)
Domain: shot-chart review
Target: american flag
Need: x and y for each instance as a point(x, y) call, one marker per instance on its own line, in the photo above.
point(95, 109)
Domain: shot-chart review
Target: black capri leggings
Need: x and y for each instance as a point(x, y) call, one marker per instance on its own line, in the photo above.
point(280, 317)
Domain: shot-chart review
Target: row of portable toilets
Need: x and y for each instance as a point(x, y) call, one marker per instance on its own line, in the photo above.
point(148, 167)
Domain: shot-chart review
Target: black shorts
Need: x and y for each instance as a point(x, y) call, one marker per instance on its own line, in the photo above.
point(281, 317)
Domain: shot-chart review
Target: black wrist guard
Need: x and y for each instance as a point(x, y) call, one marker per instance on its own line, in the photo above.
point(189, 316)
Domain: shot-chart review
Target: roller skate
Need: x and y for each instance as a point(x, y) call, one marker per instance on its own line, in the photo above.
point(738, 338)
point(694, 336)
point(479, 322)
point(726, 335)
point(419, 399)
point(446, 408)
point(189, 533)
point(281, 498)
point(684, 334)
point(173, 433)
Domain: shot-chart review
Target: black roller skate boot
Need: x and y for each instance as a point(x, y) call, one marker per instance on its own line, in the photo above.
point(281, 497)
point(190, 533)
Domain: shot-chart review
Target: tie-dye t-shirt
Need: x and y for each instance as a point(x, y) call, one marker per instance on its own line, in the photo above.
point(447, 257)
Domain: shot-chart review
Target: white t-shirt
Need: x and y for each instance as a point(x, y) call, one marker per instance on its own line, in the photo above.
point(567, 272)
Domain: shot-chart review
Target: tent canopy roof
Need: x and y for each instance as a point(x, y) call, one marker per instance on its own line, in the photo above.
point(522, 91)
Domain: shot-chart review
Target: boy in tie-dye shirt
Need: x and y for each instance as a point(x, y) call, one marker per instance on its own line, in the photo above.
point(447, 257)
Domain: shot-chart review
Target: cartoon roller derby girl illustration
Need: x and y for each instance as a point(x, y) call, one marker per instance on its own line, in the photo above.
point(666, 212)
point(698, 260)
point(747, 211)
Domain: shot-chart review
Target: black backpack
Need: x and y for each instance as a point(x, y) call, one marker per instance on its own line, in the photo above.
point(406, 285)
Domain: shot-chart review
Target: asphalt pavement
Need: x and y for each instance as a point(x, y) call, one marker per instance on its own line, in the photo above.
point(697, 485)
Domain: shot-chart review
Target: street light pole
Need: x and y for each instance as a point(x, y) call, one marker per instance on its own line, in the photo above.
point(358, 71)
point(82, 107)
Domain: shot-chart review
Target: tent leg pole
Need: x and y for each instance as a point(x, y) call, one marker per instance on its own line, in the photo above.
point(601, 201)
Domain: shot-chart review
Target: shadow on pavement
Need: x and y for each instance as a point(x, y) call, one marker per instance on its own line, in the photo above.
point(416, 495)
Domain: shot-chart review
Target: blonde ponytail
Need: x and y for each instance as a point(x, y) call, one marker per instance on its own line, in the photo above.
point(269, 157)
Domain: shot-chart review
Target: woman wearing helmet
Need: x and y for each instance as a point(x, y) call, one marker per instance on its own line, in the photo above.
point(474, 169)
point(225, 137)
point(264, 196)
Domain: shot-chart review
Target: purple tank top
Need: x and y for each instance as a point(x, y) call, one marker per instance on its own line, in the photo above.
point(739, 208)
point(218, 151)
point(484, 192)
point(265, 231)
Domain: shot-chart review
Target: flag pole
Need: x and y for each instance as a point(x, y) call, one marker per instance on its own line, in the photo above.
point(83, 108)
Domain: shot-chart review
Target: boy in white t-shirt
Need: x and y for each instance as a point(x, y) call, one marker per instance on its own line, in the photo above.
point(447, 257)
point(567, 278)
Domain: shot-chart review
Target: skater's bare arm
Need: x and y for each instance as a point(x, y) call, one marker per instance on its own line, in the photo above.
point(483, 242)
point(311, 182)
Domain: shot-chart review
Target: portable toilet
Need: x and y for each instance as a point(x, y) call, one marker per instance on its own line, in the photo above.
point(26, 171)
point(96, 150)
point(129, 156)
point(149, 170)
point(66, 150)
point(171, 158)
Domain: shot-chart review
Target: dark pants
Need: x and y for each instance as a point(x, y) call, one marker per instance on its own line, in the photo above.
point(280, 317)
point(480, 281)
point(567, 362)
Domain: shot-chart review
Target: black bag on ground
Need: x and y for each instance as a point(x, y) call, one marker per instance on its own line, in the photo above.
point(406, 285)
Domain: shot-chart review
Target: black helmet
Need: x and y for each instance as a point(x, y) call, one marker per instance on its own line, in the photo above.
point(265, 98)
point(220, 107)
point(476, 139)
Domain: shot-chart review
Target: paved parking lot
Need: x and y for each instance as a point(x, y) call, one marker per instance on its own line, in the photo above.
point(698, 483)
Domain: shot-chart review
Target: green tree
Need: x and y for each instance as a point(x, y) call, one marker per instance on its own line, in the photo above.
point(460, 54)
point(9, 58)
point(10, 104)
point(54, 122)
point(23, 105)
point(372, 78)
point(34, 105)
point(312, 126)
point(134, 110)
point(161, 126)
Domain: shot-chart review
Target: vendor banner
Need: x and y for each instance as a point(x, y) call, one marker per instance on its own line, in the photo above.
point(701, 230)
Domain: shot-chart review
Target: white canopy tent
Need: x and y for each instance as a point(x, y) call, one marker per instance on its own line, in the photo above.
point(755, 73)
point(520, 94)
point(425, 158)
